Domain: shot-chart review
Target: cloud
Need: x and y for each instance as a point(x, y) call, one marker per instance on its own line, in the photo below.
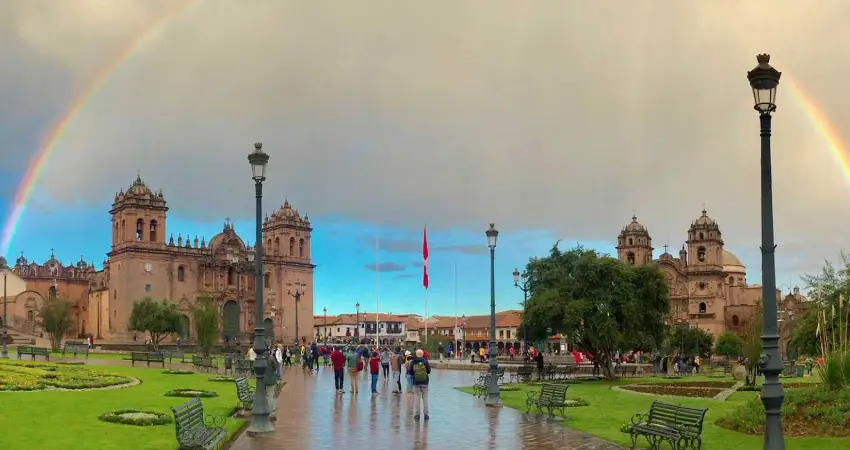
point(550, 115)
point(417, 264)
point(385, 267)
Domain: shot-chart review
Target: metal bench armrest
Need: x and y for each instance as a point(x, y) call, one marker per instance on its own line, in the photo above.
point(639, 418)
point(215, 421)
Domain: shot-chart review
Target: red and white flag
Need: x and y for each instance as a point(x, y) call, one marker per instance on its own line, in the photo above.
point(425, 257)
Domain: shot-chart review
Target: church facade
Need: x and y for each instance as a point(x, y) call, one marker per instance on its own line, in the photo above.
point(146, 261)
point(707, 283)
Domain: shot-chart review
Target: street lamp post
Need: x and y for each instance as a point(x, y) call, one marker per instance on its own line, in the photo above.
point(260, 423)
point(325, 311)
point(5, 269)
point(357, 325)
point(764, 80)
point(296, 294)
point(524, 287)
point(493, 397)
point(463, 332)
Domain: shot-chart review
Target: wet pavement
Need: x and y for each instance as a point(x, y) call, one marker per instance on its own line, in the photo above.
point(310, 415)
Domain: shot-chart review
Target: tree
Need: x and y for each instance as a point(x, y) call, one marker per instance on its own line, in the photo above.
point(728, 345)
point(55, 317)
point(207, 317)
point(751, 345)
point(803, 339)
point(158, 319)
point(600, 304)
point(690, 341)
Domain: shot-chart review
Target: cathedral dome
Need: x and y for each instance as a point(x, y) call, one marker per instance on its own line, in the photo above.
point(704, 220)
point(634, 226)
point(731, 263)
point(138, 188)
point(227, 237)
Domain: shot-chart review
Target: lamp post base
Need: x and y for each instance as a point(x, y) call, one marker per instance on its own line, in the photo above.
point(493, 401)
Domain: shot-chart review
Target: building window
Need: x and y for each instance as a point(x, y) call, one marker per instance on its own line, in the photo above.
point(301, 248)
point(735, 320)
point(292, 246)
point(276, 246)
point(230, 276)
point(266, 279)
point(701, 236)
point(630, 258)
point(153, 231)
point(181, 273)
point(701, 285)
point(140, 228)
point(30, 316)
point(147, 288)
point(731, 280)
point(702, 308)
point(701, 254)
point(51, 292)
point(630, 241)
point(337, 329)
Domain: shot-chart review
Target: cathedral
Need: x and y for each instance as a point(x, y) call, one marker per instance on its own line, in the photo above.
point(708, 284)
point(146, 261)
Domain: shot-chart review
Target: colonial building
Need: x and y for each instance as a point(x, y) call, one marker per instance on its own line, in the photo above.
point(147, 261)
point(708, 284)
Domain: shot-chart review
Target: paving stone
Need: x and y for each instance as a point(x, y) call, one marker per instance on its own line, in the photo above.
point(311, 415)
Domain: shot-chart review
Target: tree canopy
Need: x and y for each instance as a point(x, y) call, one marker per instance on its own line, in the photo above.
point(690, 341)
point(206, 317)
point(598, 303)
point(55, 317)
point(728, 344)
point(158, 319)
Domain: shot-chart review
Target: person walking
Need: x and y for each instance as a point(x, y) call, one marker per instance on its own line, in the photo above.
point(385, 363)
point(407, 358)
point(374, 371)
point(353, 361)
point(420, 371)
point(440, 350)
point(338, 361)
point(397, 363)
point(278, 356)
point(314, 350)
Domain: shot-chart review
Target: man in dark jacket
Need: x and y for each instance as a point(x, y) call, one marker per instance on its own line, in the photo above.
point(421, 371)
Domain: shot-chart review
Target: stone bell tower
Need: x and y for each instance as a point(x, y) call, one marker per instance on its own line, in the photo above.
point(138, 217)
point(634, 245)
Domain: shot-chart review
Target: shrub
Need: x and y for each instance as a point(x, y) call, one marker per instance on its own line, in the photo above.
point(191, 393)
point(177, 372)
point(136, 417)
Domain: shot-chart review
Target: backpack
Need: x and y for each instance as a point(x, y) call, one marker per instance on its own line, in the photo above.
point(420, 373)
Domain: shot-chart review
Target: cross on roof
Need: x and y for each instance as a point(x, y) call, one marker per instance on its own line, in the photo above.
point(665, 248)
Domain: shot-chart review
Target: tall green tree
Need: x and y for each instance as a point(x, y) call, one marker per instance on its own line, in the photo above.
point(206, 317)
point(600, 304)
point(158, 319)
point(55, 316)
point(728, 344)
point(690, 341)
point(803, 339)
point(751, 344)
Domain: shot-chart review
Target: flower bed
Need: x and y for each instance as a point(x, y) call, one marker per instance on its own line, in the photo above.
point(191, 393)
point(670, 389)
point(136, 417)
point(35, 376)
point(797, 385)
point(805, 412)
point(177, 372)
point(222, 379)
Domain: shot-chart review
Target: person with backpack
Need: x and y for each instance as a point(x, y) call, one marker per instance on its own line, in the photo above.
point(420, 370)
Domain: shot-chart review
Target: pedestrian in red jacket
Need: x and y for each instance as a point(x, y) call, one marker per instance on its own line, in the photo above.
point(374, 370)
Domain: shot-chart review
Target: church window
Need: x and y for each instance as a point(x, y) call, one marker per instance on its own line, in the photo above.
point(276, 246)
point(630, 241)
point(230, 276)
point(702, 308)
point(630, 258)
point(181, 273)
point(292, 246)
point(147, 288)
point(701, 285)
point(701, 236)
point(731, 280)
point(701, 254)
point(123, 229)
point(301, 248)
point(30, 316)
point(266, 279)
point(735, 320)
point(140, 228)
point(51, 292)
point(153, 231)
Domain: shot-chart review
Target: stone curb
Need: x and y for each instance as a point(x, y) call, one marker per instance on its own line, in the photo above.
point(722, 396)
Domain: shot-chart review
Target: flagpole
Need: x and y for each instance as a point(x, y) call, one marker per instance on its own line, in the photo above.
point(455, 286)
point(377, 284)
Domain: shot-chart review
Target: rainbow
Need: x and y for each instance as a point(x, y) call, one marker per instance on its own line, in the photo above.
point(38, 162)
point(817, 117)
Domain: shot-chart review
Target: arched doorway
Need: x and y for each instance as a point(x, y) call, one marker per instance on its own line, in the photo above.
point(230, 319)
point(268, 327)
point(184, 327)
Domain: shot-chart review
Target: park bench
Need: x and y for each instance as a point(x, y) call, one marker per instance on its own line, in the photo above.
point(174, 354)
point(75, 347)
point(206, 363)
point(147, 357)
point(33, 351)
point(551, 397)
point(523, 373)
point(245, 393)
point(566, 371)
point(196, 430)
point(624, 370)
point(243, 367)
point(549, 371)
point(678, 425)
point(479, 389)
point(685, 369)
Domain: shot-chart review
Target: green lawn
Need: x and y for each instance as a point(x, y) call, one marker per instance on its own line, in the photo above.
point(66, 419)
point(610, 409)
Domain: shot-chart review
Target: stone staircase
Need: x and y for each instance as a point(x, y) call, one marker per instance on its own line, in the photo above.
point(17, 337)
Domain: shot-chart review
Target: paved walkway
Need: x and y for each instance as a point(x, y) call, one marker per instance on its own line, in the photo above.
point(311, 416)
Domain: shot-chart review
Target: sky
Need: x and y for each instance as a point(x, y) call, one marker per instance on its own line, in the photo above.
point(555, 120)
